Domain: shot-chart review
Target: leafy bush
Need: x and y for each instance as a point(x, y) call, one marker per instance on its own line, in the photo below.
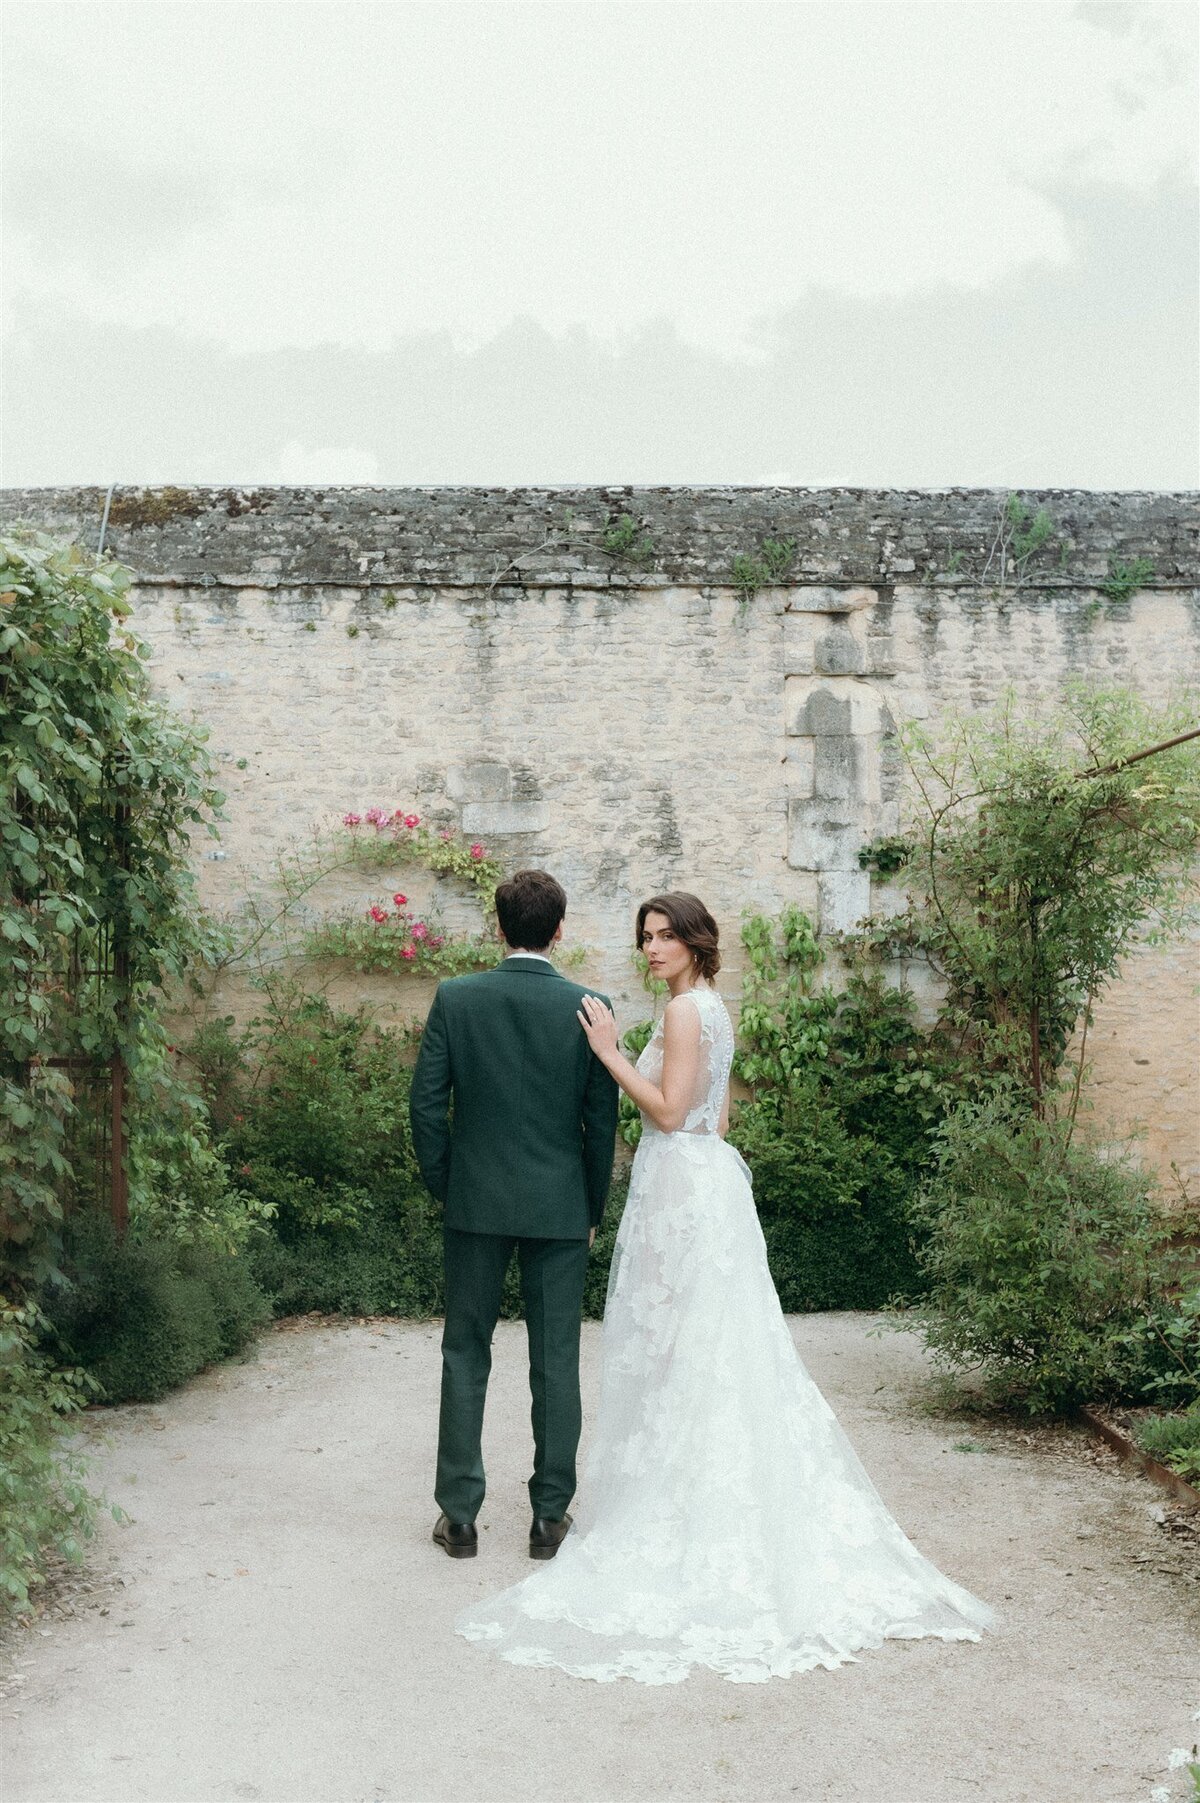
point(1168, 1334)
point(1174, 1440)
point(316, 1132)
point(389, 1264)
point(45, 1506)
point(845, 1091)
point(313, 1103)
point(141, 1315)
point(320, 1130)
point(831, 1202)
point(1042, 1259)
point(102, 791)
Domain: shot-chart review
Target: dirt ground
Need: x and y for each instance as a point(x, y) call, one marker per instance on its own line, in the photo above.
point(274, 1621)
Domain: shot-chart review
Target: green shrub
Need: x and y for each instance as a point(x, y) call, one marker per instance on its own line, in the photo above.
point(390, 1264)
point(1042, 1259)
point(1168, 1335)
point(1174, 1440)
point(45, 1506)
point(320, 1129)
point(831, 1203)
point(142, 1315)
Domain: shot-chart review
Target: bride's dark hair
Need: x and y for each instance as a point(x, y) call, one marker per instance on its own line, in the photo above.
point(691, 923)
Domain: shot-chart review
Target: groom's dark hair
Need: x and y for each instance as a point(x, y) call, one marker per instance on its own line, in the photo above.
point(529, 906)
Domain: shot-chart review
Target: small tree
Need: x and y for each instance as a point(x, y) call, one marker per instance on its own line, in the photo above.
point(1049, 842)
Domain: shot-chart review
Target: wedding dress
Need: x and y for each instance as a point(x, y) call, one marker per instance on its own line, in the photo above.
point(724, 1519)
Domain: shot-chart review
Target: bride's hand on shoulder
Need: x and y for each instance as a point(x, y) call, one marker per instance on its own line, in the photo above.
point(600, 1025)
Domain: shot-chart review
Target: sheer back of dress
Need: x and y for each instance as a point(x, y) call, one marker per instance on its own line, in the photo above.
point(712, 1073)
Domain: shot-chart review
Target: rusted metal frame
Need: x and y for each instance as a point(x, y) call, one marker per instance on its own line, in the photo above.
point(1132, 1454)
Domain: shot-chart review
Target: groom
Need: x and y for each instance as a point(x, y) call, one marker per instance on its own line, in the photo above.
point(526, 1163)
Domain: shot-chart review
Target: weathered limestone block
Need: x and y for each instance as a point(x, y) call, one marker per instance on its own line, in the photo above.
point(823, 834)
point(498, 818)
point(484, 780)
point(799, 766)
point(845, 899)
point(829, 600)
point(799, 643)
point(835, 705)
point(838, 653)
point(847, 766)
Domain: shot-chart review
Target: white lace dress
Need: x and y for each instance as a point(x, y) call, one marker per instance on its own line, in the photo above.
point(724, 1519)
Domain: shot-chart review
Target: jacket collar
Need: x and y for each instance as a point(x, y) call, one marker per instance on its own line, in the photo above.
point(529, 967)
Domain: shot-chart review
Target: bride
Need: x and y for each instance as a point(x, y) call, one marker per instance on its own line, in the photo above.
point(724, 1519)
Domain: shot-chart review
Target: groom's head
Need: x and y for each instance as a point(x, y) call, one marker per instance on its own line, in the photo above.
point(530, 907)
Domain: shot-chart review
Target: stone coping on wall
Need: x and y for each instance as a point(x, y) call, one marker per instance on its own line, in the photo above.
point(501, 539)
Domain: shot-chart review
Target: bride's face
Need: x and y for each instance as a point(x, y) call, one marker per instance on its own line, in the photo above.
point(666, 954)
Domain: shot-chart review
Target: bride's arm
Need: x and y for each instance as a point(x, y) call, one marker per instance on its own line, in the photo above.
point(666, 1107)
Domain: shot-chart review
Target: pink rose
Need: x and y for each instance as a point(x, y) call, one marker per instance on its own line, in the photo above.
point(351, 819)
point(420, 930)
point(412, 820)
point(399, 900)
point(446, 835)
point(477, 852)
point(378, 914)
point(408, 951)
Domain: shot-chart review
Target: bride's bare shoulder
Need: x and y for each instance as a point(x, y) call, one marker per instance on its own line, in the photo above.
point(680, 1013)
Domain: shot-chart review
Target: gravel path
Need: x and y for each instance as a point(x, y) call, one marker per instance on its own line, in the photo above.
point(274, 1621)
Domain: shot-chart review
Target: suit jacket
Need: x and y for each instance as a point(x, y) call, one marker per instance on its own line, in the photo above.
point(530, 1150)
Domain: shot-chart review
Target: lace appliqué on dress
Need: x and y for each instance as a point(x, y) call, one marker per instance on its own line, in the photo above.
point(724, 1519)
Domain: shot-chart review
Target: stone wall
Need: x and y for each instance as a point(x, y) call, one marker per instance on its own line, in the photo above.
point(479, 656)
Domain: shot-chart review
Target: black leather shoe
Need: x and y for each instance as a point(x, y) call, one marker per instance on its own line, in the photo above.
point(458, 1538)
point(545, 1537)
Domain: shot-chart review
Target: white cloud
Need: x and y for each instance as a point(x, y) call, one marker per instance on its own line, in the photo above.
point(352, 174)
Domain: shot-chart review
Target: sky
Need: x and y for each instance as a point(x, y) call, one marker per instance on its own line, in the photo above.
point(910, 244)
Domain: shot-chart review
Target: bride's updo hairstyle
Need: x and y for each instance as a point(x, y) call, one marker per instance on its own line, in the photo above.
point(692, 925)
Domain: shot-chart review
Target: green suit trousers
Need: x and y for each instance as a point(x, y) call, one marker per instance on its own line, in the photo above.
point(552, 1279)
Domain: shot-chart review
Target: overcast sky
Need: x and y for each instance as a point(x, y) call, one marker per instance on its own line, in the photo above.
point(916, 244)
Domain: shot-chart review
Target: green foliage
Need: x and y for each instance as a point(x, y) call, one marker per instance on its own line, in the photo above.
point(785, 1021)
point(845, 1092)
point(389, 1264)
point(101, 789)
point(1044, 848)
point(1020, 536)
point(1168, 1334)
point(312, 1104)
point(768, 568)
point(629, 1119)
point(320, 1132)
point(886, 855)
point(45, 1505)
point(143, 1313)
point(1125, 579)
point(1042, 1259)
point(1174, 1440)
point(274, 924)
point(625, 539)
point(830, 1201)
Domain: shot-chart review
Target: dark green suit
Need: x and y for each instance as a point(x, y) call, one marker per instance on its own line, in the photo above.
point(525, 1163)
